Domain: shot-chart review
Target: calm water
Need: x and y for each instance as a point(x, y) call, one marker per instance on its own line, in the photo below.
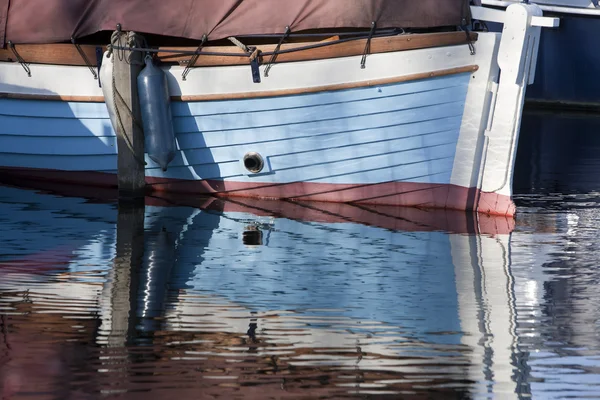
point(213, 299)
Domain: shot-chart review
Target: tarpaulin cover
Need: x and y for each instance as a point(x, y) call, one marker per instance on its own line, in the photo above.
point(50, 21)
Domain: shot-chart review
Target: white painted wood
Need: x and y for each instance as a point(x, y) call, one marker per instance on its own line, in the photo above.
point(486, 309)
point(517, 58)
point(493, 15)
point(545, 22)
point(77, 81)
point(469, 148)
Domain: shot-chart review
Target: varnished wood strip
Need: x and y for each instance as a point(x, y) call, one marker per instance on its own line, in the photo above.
point(271, 93)
point(67, 54)
point(52, 97)
point(326, 88)
point(55, 54)
point(335, 50)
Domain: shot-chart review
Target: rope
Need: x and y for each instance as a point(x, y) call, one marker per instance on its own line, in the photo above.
point(19, 58)
point(276, 51)
point(85, 59)
point(239, 44)
point(465, 28)
point(367, 50)
point(132, 40)
point(387, 31)
point(194, 58)
point(248, 53)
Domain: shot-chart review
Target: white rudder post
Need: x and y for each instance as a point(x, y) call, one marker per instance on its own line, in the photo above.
point(517, 59)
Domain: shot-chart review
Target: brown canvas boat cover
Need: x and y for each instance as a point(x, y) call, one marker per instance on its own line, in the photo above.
point(51, 21)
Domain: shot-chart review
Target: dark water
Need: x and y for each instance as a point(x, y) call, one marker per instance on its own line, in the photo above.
point(210, 299)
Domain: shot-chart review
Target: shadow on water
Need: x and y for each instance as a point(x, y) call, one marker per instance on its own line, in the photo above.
point(241, 298)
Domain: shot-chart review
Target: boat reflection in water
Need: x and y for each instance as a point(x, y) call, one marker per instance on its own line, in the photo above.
point(205, 297)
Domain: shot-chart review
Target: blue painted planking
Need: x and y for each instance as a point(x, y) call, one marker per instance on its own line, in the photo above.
point(104, 163)
point(27, 126)
point(42, 108)
point(198, 142)
point(311, 151)
point(399, 165)
point(207, 108)
point(404, 120)
point(52, 109)
point(57, 145)
point(406, 131)
point(323, 113)
point(432, 105)
point(388, 136)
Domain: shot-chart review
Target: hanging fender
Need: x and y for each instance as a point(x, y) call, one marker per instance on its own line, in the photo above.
point(157, 120)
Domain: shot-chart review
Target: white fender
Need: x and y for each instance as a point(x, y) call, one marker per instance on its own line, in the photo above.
point(106, 80)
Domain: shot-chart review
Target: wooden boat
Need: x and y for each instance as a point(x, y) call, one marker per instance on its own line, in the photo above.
point(405, 109)
point(568, 62)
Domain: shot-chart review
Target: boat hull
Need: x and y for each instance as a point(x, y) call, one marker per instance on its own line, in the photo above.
point(387, 144)
point(413, 128)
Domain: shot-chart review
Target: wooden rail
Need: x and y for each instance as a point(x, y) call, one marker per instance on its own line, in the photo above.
point(67, 54)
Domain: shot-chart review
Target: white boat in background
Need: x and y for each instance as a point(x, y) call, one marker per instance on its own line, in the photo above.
point(409, 111)
point(568, 60)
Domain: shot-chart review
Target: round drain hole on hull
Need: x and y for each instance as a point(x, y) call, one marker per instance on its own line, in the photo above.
point(253, 162)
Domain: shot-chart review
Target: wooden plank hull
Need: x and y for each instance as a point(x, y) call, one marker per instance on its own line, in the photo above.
point(406, 130)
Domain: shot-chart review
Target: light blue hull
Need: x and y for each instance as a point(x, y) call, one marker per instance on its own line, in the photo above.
point(404, 132)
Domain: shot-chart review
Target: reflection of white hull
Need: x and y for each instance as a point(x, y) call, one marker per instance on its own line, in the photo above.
point(401, 288)
point(494, 311)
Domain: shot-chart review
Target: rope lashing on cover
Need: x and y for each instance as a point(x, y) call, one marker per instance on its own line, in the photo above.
point(239, 44)
point(382, 31)
point(133, 40)
point(276, 51)
point(84, 57)
point(363, 61)
point(248, 53)
point(19, 58)
point(253, 54)
point(465, 28)
point(194, 58)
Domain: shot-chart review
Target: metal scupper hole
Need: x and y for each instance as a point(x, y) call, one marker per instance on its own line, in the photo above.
point(253, 162)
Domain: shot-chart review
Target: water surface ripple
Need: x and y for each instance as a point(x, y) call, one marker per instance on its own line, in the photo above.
point(207, 298)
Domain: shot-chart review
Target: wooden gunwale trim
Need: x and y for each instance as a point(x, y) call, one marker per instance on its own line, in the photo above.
point(326, 88)
point(266, 93)
point(67, 54)
point(52, 97)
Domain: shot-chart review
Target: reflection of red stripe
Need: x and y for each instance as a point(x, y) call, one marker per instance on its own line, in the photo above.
point(407, 194)
point(410, 219)
point(329, 203)
point(44, 261)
